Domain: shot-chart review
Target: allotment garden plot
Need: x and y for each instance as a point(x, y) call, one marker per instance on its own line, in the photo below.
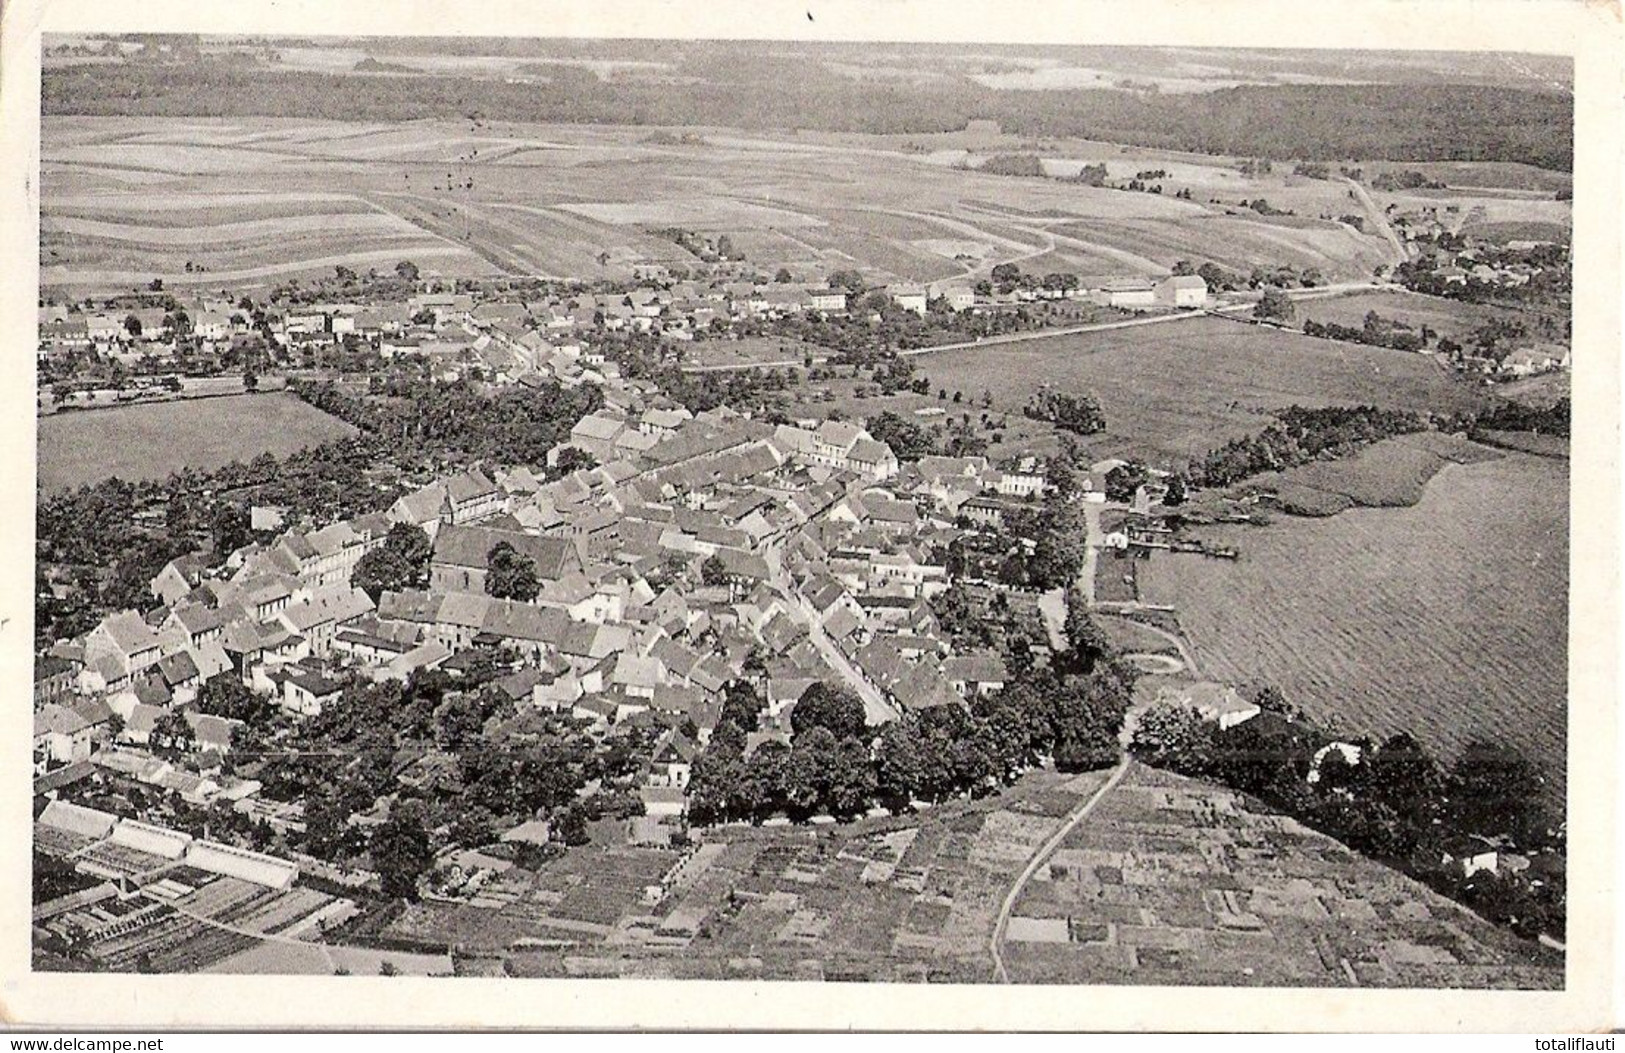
point(1172, 881)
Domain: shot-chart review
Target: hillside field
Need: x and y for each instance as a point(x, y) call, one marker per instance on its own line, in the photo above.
point(257, 200)
point(1175, 390)
point(152, 440)
point(1448, 618)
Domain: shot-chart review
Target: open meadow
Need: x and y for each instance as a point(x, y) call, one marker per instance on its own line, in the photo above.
point(1448, 618)
point(1451, 318)
point(151, 440)
point(1176, 390)
point(1388, 474)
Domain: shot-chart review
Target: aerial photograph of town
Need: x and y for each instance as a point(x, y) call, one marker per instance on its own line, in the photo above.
point(993, 514)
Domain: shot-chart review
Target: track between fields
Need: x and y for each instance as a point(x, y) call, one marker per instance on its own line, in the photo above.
point(1045, 850)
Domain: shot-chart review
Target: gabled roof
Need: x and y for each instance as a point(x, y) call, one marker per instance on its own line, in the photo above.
point(513, 620)
point(212, 732)
point(177, 668)
point(596, 426)
point(675, 748)
point(468, 486)
point(197, 618)
point(463, 545)
point(58, 720)
point(638, 671)
point(130, 633)
point(975, 668)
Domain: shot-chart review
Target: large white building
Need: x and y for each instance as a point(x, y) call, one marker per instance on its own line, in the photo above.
point(1182, 291)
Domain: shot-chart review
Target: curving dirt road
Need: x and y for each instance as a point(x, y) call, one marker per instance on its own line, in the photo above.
point(1045, 850)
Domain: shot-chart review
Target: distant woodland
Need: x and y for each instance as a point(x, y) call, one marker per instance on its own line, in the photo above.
point(1416, 122)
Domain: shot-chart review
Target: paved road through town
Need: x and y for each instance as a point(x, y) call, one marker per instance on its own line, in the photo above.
point(876, 709)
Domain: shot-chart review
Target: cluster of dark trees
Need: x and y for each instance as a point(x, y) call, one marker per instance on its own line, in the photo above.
point(1092, 175)
point(1515, 416)
point(718, 250)
point(493, 770)
point(825, 768)
point(642, 356)
point(856, 340)
point(907, 440)
point(401, 562)
point(1409, 179)
point(1551, 285)
point(1051, 534)
point(1376, 331)
point(1496, 338)
point(835, 764)
point(1395, 804)
point(1013, 165)
point(1274, 306)
point(1283, 276)
point(1264, 208)
point(98, 535)
point(1008, 277)
point(1299, 436)
point(1311, 121)
point(1124, 481)
point(93, 537)
point(416, 421)
point(1080, 414)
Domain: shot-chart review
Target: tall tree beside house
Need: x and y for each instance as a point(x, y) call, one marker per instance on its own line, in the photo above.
point(571, 826)
point(458, 722)
point(401, 851)
point(510, 575)
point(850, 280)
point(574, 459)
point(401, 562)
point(1086, 641)
point(172, 736)
point(742, 705)
point(231, 528)
point(407, 270)
point(907, 440)
point(225, 695)
point(1124, 481)
point(474, 827)
point(713, 571)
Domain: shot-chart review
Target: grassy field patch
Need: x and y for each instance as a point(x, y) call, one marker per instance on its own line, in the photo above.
point(1176, 390)
point(151, 441)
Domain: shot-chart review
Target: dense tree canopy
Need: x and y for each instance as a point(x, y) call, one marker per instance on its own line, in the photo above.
point(401, 562)
point(836, 709)
point(511, 575)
